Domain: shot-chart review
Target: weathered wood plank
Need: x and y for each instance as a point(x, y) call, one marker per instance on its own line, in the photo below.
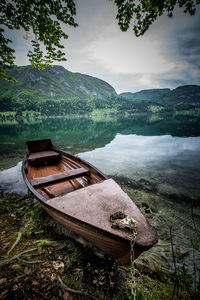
point(94, 204)
point(51, 179)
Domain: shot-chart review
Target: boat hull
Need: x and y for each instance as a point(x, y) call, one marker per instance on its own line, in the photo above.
point(118, 249)
point(82, 199)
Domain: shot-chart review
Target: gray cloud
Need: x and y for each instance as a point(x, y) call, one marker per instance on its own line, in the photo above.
point(177, 40)
point(173, 80)
point(167, 55)
point(188, 45)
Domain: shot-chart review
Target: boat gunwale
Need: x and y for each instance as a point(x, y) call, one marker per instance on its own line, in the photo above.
point(30, 187)
point(43, 201)
point(78, 159)
point(74, 157)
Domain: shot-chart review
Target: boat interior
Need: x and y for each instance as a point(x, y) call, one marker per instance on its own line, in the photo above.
point(55, 173)
point(69, 185)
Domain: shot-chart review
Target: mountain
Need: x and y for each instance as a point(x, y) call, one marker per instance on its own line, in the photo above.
point(57, 91)
point(53, 83)
point(154, 95)
point(187, 94)
point(182, 95)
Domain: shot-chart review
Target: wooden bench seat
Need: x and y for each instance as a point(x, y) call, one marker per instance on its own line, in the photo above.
point(41, 158)
point(51, 179)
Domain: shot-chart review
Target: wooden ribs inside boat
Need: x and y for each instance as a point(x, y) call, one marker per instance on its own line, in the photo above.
point(52, 179)
point(53, 173)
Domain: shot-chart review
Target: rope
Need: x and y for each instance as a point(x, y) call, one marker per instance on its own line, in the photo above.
point(120, 221)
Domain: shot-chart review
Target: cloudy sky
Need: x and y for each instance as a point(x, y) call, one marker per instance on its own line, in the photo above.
point(168, 55)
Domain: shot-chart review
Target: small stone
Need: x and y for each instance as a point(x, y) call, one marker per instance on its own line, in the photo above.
point(27, 271)
point(14, 267)
point(58, 265)
point(2, 280)
point(67, 296)
point(15, 287)
point(53, 276)
point(3, 294)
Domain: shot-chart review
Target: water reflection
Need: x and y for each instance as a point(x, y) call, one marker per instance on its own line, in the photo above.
point(142, 151)
point(162, 150)
point(11, 181)
point(160, 160)
point(86, 134)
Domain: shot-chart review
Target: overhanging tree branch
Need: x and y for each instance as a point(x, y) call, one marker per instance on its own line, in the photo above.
point(44, 18)
point(144, 12)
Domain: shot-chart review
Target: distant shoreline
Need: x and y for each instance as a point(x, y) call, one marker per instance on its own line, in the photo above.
point(7, 117)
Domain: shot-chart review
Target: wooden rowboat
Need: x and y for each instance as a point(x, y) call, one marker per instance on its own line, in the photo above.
point(83, 199)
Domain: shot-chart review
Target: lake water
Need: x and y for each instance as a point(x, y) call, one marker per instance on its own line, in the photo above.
point(156, 159)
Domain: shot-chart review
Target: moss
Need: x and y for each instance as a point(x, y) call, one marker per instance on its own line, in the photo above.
point(74, 255)
point(26, 231)
point(81, 270)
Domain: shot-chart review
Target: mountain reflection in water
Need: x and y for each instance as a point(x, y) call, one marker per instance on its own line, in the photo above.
point(160, 160)
point(162, 151)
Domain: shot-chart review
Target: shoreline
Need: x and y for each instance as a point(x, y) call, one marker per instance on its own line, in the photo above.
point(57, 257)
point(8, 117)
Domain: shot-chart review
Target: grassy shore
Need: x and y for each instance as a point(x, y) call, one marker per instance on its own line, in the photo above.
point(38, 263)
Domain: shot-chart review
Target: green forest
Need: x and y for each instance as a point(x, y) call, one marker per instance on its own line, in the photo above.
point(56, 91)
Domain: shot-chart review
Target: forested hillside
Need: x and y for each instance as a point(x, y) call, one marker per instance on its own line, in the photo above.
point(57, 91)
point(154, 95)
